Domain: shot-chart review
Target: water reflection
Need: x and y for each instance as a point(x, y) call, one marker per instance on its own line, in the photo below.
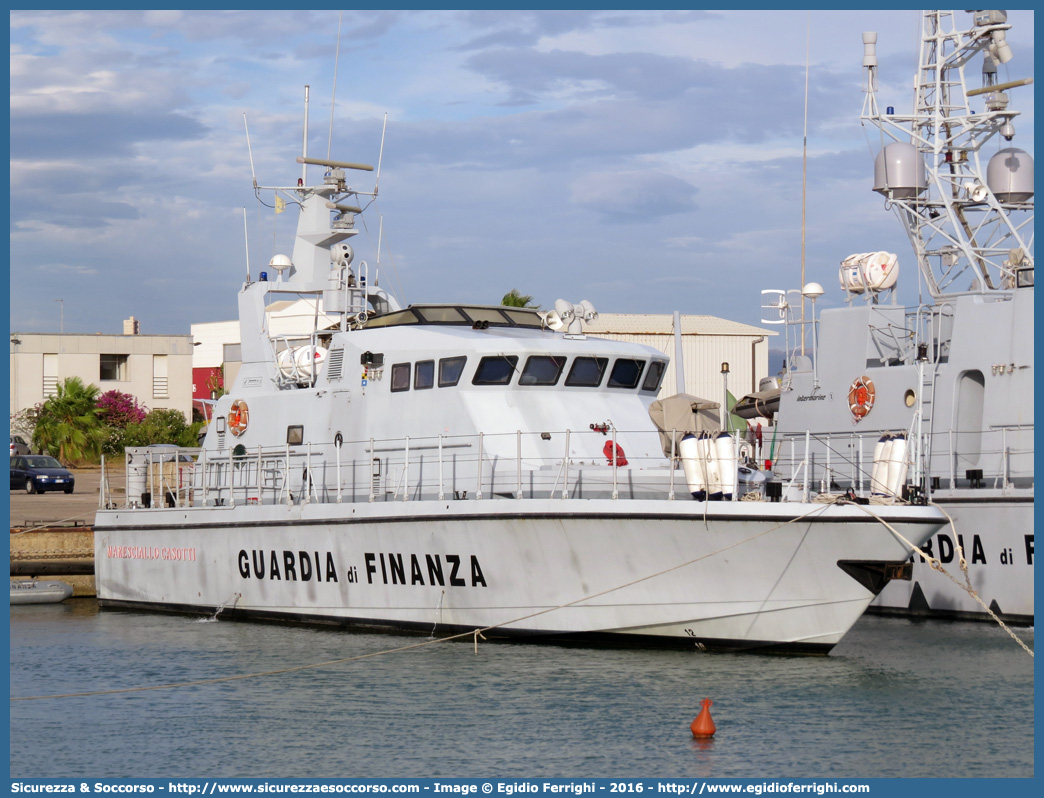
point(511, 710)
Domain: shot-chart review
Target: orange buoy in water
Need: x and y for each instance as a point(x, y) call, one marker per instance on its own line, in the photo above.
point(704, 726)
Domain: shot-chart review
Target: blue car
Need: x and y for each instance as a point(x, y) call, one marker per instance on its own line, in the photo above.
point(37, 473)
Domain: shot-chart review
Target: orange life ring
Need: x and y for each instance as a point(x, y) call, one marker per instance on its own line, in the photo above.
point(238, 417)
point(861, 397)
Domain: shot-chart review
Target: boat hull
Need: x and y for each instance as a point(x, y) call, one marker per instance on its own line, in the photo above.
point(33, 591)
point(720, 575)
point(994, 529)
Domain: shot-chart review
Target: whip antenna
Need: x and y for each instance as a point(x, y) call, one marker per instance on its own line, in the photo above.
point(380, 156)
point(380, 235)
point(246, 243)
point(250, 153)
point(804, 181)
point(333, 97)
point(304, 145)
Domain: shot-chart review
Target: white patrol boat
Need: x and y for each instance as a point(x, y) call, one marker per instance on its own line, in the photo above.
point(942, 390)
point(451, 468)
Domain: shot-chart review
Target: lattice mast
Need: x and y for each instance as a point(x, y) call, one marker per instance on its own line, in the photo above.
point(971, 229)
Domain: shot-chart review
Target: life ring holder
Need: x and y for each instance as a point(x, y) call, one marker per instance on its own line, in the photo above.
point(861, 397)
point(238, 417)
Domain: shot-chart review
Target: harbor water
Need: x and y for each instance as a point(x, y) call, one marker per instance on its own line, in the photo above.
point(895, 699)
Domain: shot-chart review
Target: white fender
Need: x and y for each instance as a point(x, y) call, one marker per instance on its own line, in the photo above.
point(695, 469)
point(896, 466)
point(725, 454)
point(879, 473)
point(707, 456)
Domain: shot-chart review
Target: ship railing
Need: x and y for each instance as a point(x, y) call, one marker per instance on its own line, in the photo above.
point(156, 476)
point(571, 464)
point(567, 464)
point(1000, 458)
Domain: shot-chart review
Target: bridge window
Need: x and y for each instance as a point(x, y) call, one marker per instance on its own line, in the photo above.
point(654, 376)
point(400, 377)
point(586, 372)
point(542, 370)
point(442, 315)
point(496, 370)
point(450, 369)
point(626, 373)
point(423, 375)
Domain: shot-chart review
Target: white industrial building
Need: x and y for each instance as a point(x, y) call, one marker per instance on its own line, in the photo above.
point(707, 342)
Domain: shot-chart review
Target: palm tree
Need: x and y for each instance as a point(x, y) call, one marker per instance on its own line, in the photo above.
point(68, 426)
point(516, 300)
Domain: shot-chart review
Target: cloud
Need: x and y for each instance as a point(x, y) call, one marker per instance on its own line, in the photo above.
point(518, 28)
point(67, 268)
point(91, 135)
point(643, 75)
point(518, 144)
point(632, 196)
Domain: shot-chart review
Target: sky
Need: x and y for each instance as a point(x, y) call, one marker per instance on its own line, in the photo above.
point(647, 161)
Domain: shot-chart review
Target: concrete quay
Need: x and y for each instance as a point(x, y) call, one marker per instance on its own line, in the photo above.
point(52, 535)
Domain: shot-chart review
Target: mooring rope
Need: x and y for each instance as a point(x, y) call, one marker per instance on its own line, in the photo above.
point(50, 524)
point(475, 634)
point(936, 565)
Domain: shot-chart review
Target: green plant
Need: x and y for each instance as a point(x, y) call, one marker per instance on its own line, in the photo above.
point(68, 426)
point(162, 425)
point(516, 300)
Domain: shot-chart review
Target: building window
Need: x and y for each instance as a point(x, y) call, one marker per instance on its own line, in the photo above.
point(112, 367)
point(159, 377)
point(50, 375)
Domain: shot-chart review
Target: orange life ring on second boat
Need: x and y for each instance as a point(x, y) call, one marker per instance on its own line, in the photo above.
point(238, 417)
point(861, 397)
